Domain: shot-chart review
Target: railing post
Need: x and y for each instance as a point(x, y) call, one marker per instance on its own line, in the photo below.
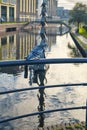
point(86, 117)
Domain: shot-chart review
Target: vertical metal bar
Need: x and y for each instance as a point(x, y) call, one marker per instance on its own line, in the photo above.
point(86, 117)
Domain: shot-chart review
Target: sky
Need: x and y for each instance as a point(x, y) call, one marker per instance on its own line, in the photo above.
point(69, 4)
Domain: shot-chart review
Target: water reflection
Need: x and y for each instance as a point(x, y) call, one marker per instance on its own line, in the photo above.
point(17, 46)
point(38, 72)
point(74, 50)
point(41, 107)
point(12, 70)
point(6, 107)
point(40, 79)
point(6, 126)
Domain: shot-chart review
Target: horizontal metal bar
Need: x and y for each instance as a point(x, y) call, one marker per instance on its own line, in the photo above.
point(43, 61)
point(43, 87)
point(42, 112)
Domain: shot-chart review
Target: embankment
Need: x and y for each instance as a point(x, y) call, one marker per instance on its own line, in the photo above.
point(79, 46)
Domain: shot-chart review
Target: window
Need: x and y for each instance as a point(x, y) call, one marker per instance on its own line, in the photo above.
point(4, 40)
point(11, 13)
point(11, 39)
point(4, 12)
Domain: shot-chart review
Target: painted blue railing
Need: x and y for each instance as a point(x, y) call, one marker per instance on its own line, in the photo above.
point(44, 61)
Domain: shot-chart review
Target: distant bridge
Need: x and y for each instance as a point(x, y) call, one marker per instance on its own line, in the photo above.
point(48, 21)
point(52, 21)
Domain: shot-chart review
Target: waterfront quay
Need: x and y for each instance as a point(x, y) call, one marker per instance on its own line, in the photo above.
point(9, 26)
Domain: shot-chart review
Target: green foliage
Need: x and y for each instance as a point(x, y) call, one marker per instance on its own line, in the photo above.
point(77, 14)
point(83, 32)
point(78, 126)
point(57, 129)
point(69, 128)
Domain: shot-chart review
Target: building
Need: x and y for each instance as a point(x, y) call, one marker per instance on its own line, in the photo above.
point(8, 10)
point(39, 2)
point(26, 9)
point(52, 7)
point(62, 13)
point(16, 10)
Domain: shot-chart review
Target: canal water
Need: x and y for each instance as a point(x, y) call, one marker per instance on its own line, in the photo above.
point(17, 45)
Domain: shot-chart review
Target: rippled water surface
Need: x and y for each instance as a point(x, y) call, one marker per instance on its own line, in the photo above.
point(27, 102)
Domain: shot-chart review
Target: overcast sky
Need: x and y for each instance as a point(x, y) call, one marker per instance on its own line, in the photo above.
point(69, 4)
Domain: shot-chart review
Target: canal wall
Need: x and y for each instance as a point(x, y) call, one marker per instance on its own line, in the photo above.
point(81, 49)
point(10, 27)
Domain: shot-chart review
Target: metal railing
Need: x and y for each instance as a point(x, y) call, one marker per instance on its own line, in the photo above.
point(44, 61)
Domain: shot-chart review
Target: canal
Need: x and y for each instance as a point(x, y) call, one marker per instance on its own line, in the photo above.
point(17, 45)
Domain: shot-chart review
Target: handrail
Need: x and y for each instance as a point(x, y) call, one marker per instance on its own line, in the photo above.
point(43, 87)
point(43, 112)
point(43, 61)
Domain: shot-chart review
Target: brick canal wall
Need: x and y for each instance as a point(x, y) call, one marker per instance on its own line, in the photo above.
point(6, 27)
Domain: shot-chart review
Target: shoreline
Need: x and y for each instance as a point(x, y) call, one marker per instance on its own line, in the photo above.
point(65, 126)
